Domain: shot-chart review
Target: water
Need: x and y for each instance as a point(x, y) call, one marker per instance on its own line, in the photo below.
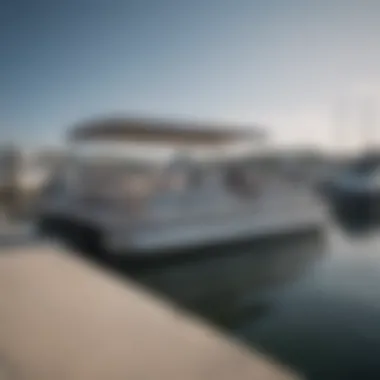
point(327, 323)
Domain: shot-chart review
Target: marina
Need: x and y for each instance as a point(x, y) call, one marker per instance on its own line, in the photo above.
point(189, 190)
point(247, 262)
point(236, 259)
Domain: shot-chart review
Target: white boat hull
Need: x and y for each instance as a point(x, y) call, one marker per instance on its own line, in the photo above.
point(181, 221)
point(202, 232)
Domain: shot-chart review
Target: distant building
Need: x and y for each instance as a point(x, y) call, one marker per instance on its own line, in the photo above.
point(10, 162)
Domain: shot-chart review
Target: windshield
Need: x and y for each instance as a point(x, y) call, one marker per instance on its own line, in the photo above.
point(110, 181)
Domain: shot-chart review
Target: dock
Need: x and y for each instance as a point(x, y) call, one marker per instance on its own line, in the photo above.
point(64, 318)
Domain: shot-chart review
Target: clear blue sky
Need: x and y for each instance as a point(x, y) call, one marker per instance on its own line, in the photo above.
point(284, 63)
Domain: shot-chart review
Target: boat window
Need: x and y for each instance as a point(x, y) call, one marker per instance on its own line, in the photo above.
point(138, 185)
point(242, 179)
point(182, 175)
point(115, 182)
point(196, 177)
point(175, 182)
point(54, 185)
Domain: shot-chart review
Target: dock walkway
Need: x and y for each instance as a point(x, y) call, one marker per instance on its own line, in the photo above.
point(64, 318)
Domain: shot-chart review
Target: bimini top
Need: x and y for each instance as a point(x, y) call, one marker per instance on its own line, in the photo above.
point(156, 131)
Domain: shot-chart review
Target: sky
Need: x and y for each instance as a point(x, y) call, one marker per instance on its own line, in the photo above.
point(306, 70)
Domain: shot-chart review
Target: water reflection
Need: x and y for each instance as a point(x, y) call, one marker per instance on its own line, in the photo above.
point(231, 284)
point(327, 323)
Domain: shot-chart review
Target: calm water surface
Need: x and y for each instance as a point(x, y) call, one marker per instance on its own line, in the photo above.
point(327, 322)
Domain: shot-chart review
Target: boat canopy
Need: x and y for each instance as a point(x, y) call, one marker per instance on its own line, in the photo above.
point(156, 142)
point(162, 132)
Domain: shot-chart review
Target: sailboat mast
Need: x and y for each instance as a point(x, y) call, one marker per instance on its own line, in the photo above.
point(368, 123)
